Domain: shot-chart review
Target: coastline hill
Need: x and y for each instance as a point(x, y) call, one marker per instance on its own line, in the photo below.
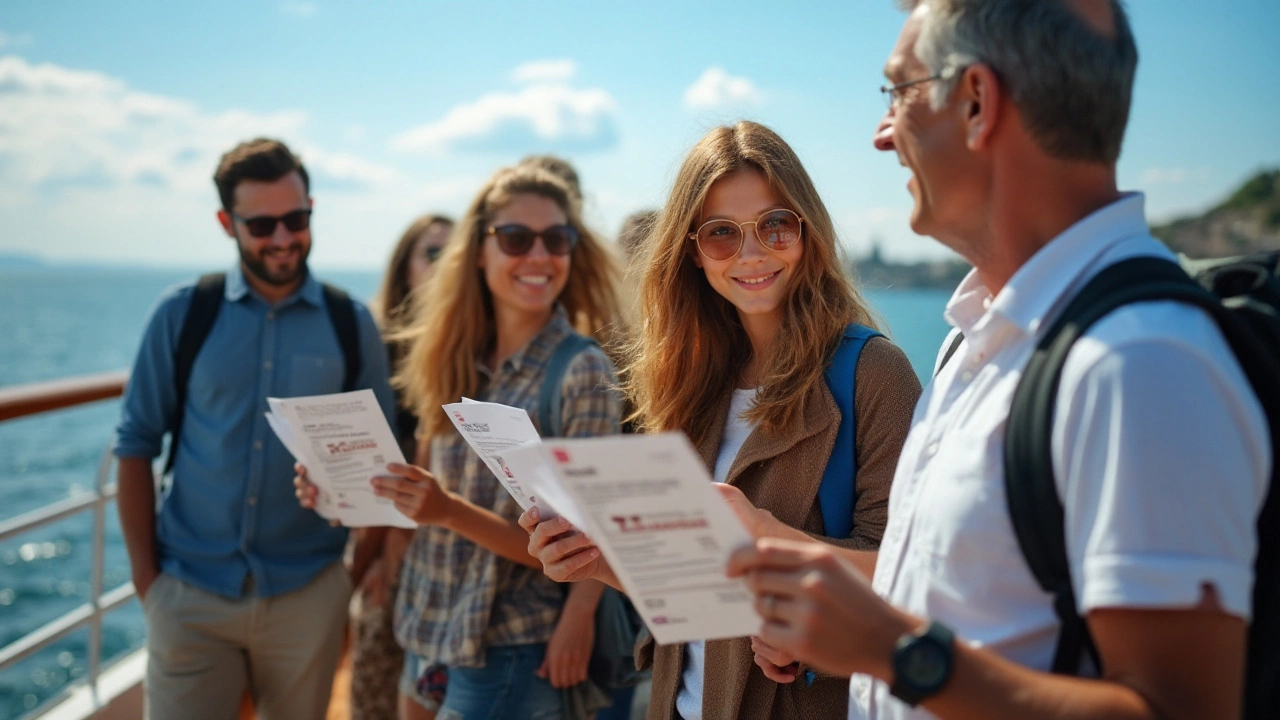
point(1248, 221)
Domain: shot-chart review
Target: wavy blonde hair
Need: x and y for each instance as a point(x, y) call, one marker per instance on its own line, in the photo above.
point(453, 322)
point(691, 345)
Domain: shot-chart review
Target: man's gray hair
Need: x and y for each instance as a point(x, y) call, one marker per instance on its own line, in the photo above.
point(1071, 82)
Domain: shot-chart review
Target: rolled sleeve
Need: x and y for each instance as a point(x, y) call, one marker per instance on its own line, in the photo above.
point(1166, 471)
point(150, 399)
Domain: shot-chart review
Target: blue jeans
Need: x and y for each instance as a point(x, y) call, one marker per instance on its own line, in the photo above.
point(504, 689)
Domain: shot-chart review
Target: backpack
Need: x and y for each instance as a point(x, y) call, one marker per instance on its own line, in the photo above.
point(618, 625)
point(206, 301)
point(1242, 295)
point(836, 493)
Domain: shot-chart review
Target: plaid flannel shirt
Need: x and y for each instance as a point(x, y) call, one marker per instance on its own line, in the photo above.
point(457, 598)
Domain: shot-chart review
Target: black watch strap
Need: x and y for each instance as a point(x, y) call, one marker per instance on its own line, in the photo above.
point(922, 663)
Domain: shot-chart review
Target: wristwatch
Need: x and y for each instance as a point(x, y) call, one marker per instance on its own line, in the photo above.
point(922, 663)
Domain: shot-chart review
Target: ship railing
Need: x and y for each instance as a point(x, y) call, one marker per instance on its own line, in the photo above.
point(30, 399)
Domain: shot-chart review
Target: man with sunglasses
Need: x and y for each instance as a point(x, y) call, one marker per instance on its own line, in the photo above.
point(241, 587)
point(1009, 115)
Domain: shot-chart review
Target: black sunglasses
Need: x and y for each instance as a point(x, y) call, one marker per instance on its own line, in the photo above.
point(265, 225)
point(516, 240)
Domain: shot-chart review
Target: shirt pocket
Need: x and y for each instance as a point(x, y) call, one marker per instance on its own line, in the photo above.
point(314, 375)
point(963, 520)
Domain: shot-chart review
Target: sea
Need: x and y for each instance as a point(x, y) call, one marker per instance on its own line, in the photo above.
point(59, 322)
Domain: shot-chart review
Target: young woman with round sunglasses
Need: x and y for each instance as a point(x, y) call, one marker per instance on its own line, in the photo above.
point(744, 302)
point(375, 553)
point(520, 274)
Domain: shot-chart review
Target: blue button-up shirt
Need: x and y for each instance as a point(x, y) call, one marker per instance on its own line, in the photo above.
point(230, 511)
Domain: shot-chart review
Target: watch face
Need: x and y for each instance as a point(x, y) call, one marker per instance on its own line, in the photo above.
point(925, 664)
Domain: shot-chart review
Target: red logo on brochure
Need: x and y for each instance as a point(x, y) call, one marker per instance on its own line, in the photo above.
point(561, 455)
point(459, 416)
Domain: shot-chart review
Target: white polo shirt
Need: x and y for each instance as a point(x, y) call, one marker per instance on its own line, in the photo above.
point(1160, 453)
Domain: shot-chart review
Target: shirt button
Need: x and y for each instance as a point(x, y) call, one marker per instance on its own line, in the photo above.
point(253, 500)
point(966, 377)
point(932, 449)
point(257, 444)
point(266, 365)
point(271, 316)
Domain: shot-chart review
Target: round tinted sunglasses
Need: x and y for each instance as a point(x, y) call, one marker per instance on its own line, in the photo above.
point(261, 226)
point(776, 230)
point(517, 240)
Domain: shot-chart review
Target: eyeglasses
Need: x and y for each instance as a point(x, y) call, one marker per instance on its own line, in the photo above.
point(516, 240)
point(776, 230)
point(893, 94)
point(265, 225)
point(433, 252)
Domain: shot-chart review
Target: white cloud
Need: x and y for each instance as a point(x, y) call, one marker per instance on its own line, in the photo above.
point(298, 8)
point(8, 40)
point(547, 114)
point(545, 71)
point(1173, 176)
point(91, 168)
point(716, 88)
point(62, 128)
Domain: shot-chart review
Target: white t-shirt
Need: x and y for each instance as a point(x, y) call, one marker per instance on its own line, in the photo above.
point(736, 432)
point(1160, 453)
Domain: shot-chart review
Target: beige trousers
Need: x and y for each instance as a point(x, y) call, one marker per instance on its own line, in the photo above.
point(204, 650)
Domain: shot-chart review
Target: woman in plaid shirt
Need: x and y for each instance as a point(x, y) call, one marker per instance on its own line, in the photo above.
point(520, 273)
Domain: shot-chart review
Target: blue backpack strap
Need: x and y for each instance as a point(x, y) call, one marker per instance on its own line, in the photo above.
point(835, 494)
point(549, 402)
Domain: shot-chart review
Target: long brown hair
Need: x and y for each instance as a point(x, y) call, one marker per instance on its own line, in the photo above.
point(456, 325)
point(691, 346)
point(391, 303)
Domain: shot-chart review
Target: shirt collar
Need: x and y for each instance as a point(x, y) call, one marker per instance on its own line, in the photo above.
point(537, 352)
point(237, 288)
point(1038, 288)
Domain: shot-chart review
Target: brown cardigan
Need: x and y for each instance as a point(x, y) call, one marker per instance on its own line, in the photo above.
point(781, 474)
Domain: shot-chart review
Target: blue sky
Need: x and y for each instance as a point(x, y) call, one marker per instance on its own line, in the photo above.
point(112, 115)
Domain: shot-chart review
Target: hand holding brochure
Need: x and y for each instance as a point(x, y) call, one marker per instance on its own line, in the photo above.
point(492, 429)
point(344, 441)
point(649, 505)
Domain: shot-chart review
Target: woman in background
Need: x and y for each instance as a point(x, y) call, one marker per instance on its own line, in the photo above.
point(375, 554)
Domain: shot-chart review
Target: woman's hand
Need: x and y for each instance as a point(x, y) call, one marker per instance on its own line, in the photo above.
point(760, 523)
point(416, 493)
point(777, 665)
point(566, 554)
point(569, 650)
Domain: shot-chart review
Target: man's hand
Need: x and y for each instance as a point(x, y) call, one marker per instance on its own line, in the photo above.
point(306, 491)
point(819, 608)
point(143, 579)
point(416, 493)
point(569, 650)
point(566, 554)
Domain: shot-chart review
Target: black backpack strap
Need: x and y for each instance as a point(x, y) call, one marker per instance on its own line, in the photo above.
point(951, 350)
point(1034, 507)
point(206, 301)
point(550, 403)
point(342, 313)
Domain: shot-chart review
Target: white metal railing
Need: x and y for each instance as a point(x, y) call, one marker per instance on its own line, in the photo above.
point(27, 400)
